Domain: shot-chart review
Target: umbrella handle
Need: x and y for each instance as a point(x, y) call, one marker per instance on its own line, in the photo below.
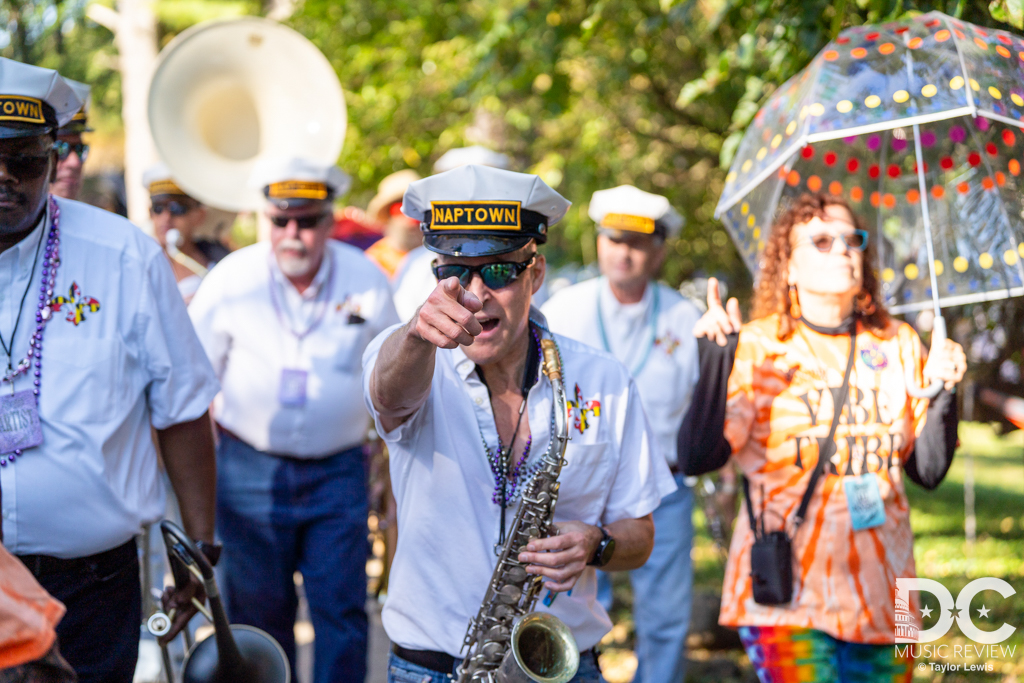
point(931, 391)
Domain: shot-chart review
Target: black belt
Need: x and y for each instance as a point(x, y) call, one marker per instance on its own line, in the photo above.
point(441, 662)
point(115, 558)
point(444, 663)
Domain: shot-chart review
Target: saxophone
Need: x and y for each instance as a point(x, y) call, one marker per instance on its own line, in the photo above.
point(500, 646)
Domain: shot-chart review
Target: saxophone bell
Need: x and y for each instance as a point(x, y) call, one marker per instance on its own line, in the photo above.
point(542, 651)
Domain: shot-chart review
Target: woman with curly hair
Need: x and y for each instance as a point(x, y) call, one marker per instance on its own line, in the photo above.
point(809, 401)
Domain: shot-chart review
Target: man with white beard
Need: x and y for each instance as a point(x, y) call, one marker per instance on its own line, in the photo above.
point(285, 323)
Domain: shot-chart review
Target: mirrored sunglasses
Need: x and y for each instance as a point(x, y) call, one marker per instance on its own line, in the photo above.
point(65, 148)
point(494, 275)
point(855, 241)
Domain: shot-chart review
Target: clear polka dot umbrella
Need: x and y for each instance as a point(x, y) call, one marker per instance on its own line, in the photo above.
point(918, 124)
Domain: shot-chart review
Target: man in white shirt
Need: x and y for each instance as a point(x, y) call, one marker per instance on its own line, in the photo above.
point(649, 327)
point(467, 424)
point(285, 323)
point(71, 149)
point(97, 352)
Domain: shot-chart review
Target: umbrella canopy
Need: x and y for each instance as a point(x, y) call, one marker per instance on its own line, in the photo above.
point(918, 125)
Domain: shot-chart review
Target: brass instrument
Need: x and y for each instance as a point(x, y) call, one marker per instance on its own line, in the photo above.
point(235, 653)
point(507, 642)
point(228, 93)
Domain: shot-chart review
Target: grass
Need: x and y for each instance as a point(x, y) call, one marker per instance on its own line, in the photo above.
point(941, 551)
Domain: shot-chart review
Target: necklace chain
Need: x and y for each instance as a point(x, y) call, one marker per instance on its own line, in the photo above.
point(44, 312)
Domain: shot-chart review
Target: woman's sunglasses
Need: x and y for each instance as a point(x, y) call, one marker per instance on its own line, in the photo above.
point(176, 209)
point(65, 148)
point(494, 275)
point(302, 222)
point(25, 166)
point(855, 241)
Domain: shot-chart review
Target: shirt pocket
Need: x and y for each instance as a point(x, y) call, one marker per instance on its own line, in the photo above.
point(349, 341)
point(585, 482)
point(84, 380)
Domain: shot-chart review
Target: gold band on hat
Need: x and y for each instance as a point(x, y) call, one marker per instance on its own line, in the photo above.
point(79, 117)
point(625, 221)
point(158, 187)
point(476, 215)
point(21, 109)
point(297, 189)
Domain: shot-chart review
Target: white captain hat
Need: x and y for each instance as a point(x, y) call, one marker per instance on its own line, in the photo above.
point(158, 181)
point(79, 122)
point(629, 209)
point(467, 156)
point(294, 181)
point(482, 211)
point(33, 100)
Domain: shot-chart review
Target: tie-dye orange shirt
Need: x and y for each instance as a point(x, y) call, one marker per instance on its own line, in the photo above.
point(779, 404)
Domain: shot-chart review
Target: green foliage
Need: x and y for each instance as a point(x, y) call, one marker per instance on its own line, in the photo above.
point(1008, 11)
point(589, 95)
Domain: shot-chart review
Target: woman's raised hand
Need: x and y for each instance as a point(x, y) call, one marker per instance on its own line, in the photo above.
point(719, 322)
point(946, 362)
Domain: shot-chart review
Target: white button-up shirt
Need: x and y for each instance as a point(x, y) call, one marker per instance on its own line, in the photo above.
point(250, 336)
point(134, 362)
point(663, 350)
point(443, 485)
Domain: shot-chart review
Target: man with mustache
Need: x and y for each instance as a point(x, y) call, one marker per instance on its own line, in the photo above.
point(458, 396)
point(285, 323)
point(71, 150)
point(97, 351)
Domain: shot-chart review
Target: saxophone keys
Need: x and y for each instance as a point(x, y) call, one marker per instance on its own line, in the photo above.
point(509, 594)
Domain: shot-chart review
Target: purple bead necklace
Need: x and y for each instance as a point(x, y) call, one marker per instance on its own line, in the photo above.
point(51, 261)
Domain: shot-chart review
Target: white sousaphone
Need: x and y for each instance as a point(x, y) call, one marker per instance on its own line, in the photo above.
point(226, 94)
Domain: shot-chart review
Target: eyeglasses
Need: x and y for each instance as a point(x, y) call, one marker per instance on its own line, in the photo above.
point(494, 275)
point(65, 148)
point(176, 209)
point(25, 166)
point(302, 222)
point(855, 241)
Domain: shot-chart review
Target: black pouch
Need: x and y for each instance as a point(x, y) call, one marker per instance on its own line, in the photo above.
point(771, 568)
point(771, 556)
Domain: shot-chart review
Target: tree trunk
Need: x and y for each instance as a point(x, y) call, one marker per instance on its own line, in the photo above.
point(136, 43)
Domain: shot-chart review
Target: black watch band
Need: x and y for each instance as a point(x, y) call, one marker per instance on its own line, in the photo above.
point(604, 551)
point(212, 551)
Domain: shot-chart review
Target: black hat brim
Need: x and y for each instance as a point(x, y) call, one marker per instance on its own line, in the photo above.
point(12, 129)
point(474, 244)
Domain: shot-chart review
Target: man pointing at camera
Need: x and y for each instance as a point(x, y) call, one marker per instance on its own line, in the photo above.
point(457, 395)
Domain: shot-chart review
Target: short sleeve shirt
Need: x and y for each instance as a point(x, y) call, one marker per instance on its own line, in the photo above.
point(255, 325)
point(119, 357)
point(661, 353)
point(779, 404)
point(443, 485)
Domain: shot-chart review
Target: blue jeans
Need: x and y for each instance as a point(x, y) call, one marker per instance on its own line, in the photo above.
point(401, 671)
point(662, 592)
point(278, 515)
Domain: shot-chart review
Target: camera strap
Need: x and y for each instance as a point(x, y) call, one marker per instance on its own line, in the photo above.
point(826, 452)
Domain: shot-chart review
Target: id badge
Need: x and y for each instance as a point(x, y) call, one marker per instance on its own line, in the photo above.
point(293, 388)
point(19, 422)
point(865, 501)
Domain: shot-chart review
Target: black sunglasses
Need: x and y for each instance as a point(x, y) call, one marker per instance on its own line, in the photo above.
point(177, 209)
point(65, 148)
point(494, 275)
point(855, 241)
point(25, 166)
point(302, 222)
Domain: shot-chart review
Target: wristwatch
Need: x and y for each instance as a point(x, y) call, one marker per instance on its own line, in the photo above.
point(210, 550)
point(604, 551)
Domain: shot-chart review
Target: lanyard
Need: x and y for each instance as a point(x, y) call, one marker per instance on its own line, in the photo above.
point(636, 370)
point(9, 350)
point(320, 311)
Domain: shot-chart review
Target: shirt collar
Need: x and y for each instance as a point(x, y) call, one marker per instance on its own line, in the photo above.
point(613, 305)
